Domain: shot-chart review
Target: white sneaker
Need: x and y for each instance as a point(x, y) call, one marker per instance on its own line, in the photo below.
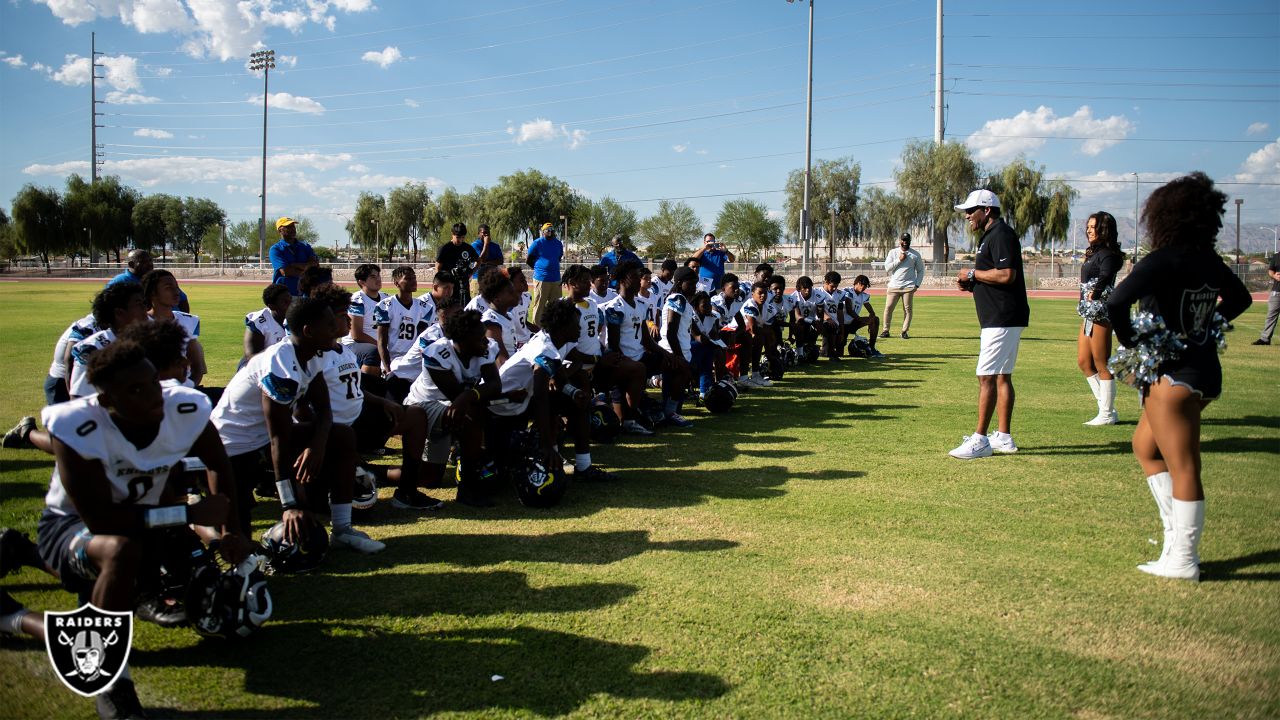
point(1003, 443)
point(761, 380)
point(633, 427)
point(356, 540)
point(974, 446)
point(744, 382)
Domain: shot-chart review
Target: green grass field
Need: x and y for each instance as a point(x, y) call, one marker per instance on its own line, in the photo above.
point(813, 554)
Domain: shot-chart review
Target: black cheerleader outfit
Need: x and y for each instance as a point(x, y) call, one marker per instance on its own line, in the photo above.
point(1102, 266)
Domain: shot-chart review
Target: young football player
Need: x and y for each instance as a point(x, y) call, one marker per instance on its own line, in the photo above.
point(55, 384)
point(601, 292)
point(362, 339)
point(524, 328)
point(804, 317)
point(374, 419)
point(855, 299)
point(662, 283)
point(708, 350)
point(537, 389)
point(677, 330)
point(641, 356)
point(758, 334)
point(763, 272)
point(264, 328)
point(783, 305)
point(115, 307)
point(831, 313)
point(459, 377)
point(443, 285)
point(312, 461)
point(727, 303)
point(110, 517)
point(399, 319)
point(160, 291)
point(500, 297)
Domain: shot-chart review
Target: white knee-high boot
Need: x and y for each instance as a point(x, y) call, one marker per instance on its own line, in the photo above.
point(1161, 486)
point(1106, 404)
point(1183, 561)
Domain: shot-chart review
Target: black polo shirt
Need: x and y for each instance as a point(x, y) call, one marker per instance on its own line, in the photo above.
point(1001, 305)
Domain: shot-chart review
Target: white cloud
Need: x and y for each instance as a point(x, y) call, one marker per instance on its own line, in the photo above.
point(163, 72)
point(290, 173)
point(358, 168)
point(1006, 138)
point(700, 152)
point(1262, 165)
point(352, 6)
point(1254, 128)
point(411, 102)
point(118, 98)
point(121, 71)
point(291, 20)
point(290, 60)
point(41, 67)
point(679, 148)
point(15, 61)
point(288, 101)
point(384, 59)
point(151, 133)
point(543, 130)
point(154, 16)
point(63, 168)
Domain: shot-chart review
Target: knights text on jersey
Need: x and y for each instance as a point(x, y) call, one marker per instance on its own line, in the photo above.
point(136, 475)
point(591, 327)
point(276, 372)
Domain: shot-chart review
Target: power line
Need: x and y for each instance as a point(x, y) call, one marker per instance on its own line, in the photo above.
point(1120, 97)
point(1088, 68)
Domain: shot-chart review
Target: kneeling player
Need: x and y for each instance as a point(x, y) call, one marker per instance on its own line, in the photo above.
point(110, 517)
point(855, 299)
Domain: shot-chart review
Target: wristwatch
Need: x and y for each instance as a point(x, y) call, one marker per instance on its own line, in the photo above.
point(971, 274)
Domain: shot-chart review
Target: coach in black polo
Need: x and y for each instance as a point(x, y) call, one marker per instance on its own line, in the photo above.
point(1000, 295)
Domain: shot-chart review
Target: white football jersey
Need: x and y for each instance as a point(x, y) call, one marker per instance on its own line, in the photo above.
point(276, 372)
point(744, 290)
point(441, 355)
point(477, 303)
point(77, 331)
point(262, 322)
point(828, 303)
point(137, 475)
point(409, 365)
point(80, 353)
point(856, 300)
point(342, 376)
point(707, 324)
point(402, 322)
point(783, 305)
point(189, 322)
point(659, 291)
point(430, 302)
point(591, 328)
point(758, 314)
point(628, 321)
point(728, 311)
point(678, 311)
point(600, 300)
point(518, 371)
point(362, 307)
point(520, 313)
point(806, 309)
point(491, 316)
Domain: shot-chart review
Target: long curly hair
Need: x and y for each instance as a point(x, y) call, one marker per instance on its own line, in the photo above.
point(1186, 212)
point(1108, 235)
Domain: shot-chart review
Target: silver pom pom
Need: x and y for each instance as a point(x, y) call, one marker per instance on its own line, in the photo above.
point(1090, 309)
point(1155, 344)
point(1217, 332)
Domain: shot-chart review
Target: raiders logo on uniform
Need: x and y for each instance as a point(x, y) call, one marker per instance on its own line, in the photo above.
point(88, 647)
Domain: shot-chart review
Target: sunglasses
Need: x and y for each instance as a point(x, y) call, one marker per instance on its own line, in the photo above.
point(971, 211)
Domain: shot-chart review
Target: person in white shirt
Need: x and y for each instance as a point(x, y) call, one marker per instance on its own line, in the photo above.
point(855, 299)
point(640, 355)
point(708, 350)
point(115, 307)
point(520, 313)
point(906, 273)
point(500, 298)
point(264, 328)
point(313, 461)
point(804, 318)
point(443, 285)
point(601, 292)
point(399, 319)
point(459, 377)
point(362, 338)
point(782, 305)
point(160, 291)
point(678, 319)
point(757, 334)
point(55, 385)
point(831, 313)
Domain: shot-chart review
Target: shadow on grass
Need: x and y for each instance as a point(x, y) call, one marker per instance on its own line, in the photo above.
point(1269, 422)
point(542, 672)
point(1227, 570)
point(1111, 448)
point(19, 489)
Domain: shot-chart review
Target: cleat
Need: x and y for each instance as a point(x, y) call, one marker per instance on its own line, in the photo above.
point(17, 550)
point(633, 427)
point(17, 436)
point(356, 540)
point(414, 500)
point(677, 420)
point(158, 612)
point(594, 474)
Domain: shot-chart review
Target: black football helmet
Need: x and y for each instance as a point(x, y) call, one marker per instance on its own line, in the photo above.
point(283, 556)
point(605, 425)
point(229, 604)
point(536, 485)
point(720, 397)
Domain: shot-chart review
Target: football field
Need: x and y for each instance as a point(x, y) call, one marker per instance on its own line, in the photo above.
point(814, 553)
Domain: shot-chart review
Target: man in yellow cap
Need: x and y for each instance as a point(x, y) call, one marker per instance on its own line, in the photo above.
point(290, 257)
point(544, 257)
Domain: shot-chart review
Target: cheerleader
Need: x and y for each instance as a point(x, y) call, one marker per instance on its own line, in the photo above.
point(1179, 282)
point(1102, 260)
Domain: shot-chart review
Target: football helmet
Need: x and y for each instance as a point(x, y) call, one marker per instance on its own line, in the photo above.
point(720, 397)
point(605, 425)
point(859, 347)
point(283, 556)
point(537, 486)
point(788, 354)
point(230, 604)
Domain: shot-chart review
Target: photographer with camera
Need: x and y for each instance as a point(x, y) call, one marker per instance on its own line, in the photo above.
point(711, 258)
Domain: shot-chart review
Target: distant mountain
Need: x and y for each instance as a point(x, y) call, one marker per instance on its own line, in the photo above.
point(1254, 238)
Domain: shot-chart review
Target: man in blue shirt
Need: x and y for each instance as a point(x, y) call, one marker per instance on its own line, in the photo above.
point(489, 252)
point(290, 257)
point(544, 257)
point(141, 263)
point(615, 257)
point(711, 258)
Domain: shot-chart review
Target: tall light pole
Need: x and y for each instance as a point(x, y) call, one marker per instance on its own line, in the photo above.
point(1275, 240)
point(937, 82)
point(808, 151)
point(564, 225)
point(1239, 202)
point(263, 60)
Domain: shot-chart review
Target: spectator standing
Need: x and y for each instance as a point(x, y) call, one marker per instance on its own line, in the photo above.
point(458, 258)
point(1000, 295)
point(290, 257)
point(616, 256)
point(711, 258)
point(544, 257)
point(488, 252)
point(906, 272)
point(1273, 302)
point(140, 263)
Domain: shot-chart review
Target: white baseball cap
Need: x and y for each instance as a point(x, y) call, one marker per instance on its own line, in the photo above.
point(979, 198)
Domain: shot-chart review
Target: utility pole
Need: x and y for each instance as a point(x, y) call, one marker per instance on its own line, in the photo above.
point(263, 60)
point(1239, 202)
point(937, 82)
point(808, 153)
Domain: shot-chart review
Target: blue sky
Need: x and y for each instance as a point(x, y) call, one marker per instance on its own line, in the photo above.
point(636, 99)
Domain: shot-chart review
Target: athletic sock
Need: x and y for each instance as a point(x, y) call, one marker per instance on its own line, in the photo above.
point(581, 461)
point(341, 515)
point(12, 623)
